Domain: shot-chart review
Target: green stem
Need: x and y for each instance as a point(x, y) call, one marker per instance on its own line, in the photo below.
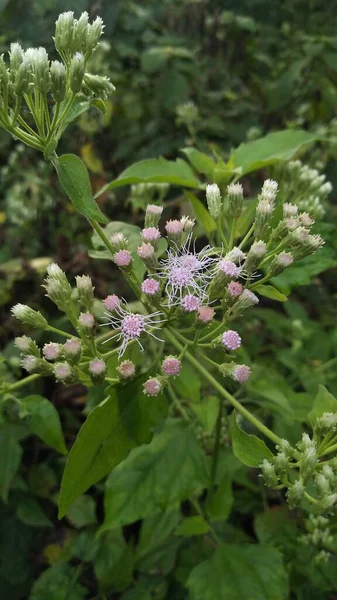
point(177, 402)
point(329, 450)
point(247, 236)
point(60, 332)
point(171, 336)
point(263, 280)
point(232, 234)
point(22, 382)
point(215, 456)
point(310, 498)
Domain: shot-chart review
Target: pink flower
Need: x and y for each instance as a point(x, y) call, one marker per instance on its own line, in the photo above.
point(150, 287)
point(171, 366)
point(234, 289)
point(152, 386)
point(228, 268)
point(231, 340)
point(126, 369)
point(122, 258)
point(190, 303)
point(150, 234)
point(206, 314)
point(111, 302)
point(241, 373)
point(131, 326)
point(72, 347)
point(63, 372)
point(145, 251)
point(86, 320)
point(51, 351)
point(174, 227)
point(153, 209)
point(97, 366)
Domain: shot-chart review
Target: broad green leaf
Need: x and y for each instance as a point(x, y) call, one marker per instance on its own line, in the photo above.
point(192, 526)
point(58, 583)
point(188, 384)
point(113, 571)
point(220, 503)
point(201, 213)
point(240, 571)
point(155, 530)
point(269, 389)
point(154, 170)
point(272, 148)
point(270, 292)
point(303, 271)
point(111, 548)
point(121, 422)
point(249, 449)
point(74, 178)
point(207, 411)
point(82, 512)
point(170, 469)
point(200, 161)
point(44, 421)
point(147, 587)
point(10, 458)
point(30, 512)
point(324, 402)
point(277, 526)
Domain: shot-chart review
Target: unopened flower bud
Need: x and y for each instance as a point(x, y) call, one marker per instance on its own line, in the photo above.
point(280, 262)
point(52, 351)
point(147, 253)
point(235, 199)
point(29, 316)
point(295, 494)
point(64, 27)
point(289, 210)
point(16, 55)
point(234, 289)
point(239, 373)
point(269, 190)
point(64, 373)
point(329, 475)
point(213, 198)
point(174, 230)
point(72, 350)
point(86, 323)
point(118, 241)
point(281, 463)
point(150, 287)
point(153, 386)
point(231, 340)
point(327, 503)
point(40, 65)
point(171, 366)
point(308, 462)
point(58, 80)
point(264, 211)
point(151, 235)
point(94, 32)
point(22, 79)
point(327, 422)
point(97, 371)
point(152, 215)
point(126, 369)
point(98, 85)
point(254, 257)
point(245, 301)
point(322, 485)
point(205, 314)
point(85, 291)
point(76, 72)
point(122, 258)
point(112, 302)
point(187, 224)
point(235, 255)
point(269, 473)
point(80, 33)
point(27, 346)
point(285, 447)
point(33, 364)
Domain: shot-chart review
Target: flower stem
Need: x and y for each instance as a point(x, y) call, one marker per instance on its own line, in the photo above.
point(22, 382)
point(171, 337)
point(215, 456)
point(60, 332)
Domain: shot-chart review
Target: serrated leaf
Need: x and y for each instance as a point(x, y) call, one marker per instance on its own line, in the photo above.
point(121, 422)
point(270, 292)
point(238, 571)
point(201, 213)
point(168, 470)
point(75, 181)
point(324, 402)
point(249, 449)
point(155, 170)
point(272, 148)
point(44, 421)
point(200, 161)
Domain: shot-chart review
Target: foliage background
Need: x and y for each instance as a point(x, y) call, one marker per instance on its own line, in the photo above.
point(250, 67)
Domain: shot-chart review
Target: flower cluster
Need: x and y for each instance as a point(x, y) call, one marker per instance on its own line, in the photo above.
point(308, 186)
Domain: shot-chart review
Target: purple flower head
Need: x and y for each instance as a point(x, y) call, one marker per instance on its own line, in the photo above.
point(205, 314)
point(152, 386)
point(126, 369)
point(190, 303)
point(72, 347)
point(151, 234)
point(132, 326)
point(97, 366)
point(229, 268)
point(174, 227)
point(234, 289)
point(122, 258)
point(231, 340)
point(51, 351)
point(171, 366)
point(241, 373)
point(150, 287)
point(111, 302)
point(86, 320)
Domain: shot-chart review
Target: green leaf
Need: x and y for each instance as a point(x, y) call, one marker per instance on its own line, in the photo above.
point(192, 526)
point(202, 215)
point(249, 449)
point(74, 178)
point(44, 421)
point(221, 502)
point(272, 148)
point(188, 384)
point(82, 512)
point(303, 271)
point(30, 512)
point(324, 402)
point(207, 411)
point(201, 162)
point(110, 550)
point(10, 458)
point(155, 170)
point(153, 477)
point(121, 422)
point(58, 583)
point(270, 292)
point(238, 571)
point(156, 528)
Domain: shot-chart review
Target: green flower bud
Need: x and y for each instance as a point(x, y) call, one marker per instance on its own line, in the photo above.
point(94, 32)
point(58, 287)
point(322, 485)
point(64, 373)
point(152, 215)
point(279, 263)
point(80, 33)
point(85, 291)
point(4, 76)
point(295, 494)
point(97, 371)
point(285, 447)
point(32, 364)
point(254, 257)
point(264, 211)
point(269, 473)
point(22, 79)
point(86, 324)
point(16, 56)
point(64, 28)
point(213, 198)
point(98, 85)
point(327, 503)
point(235, 199)
point(72, 350)
point(27, 346)
point(29, 316)
point(40, 66)
point(281, 463)
point(77, 68)
point(308, 462)
point(327, 422)
point(58, 80)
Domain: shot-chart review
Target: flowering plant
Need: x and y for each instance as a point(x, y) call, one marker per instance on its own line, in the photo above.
point(190, 296)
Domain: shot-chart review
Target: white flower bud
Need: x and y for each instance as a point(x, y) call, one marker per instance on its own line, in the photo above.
point(213, 198)
point(76, 72)
point(235, 199)
point(64, 27)
point(58, 80)
point(29, 316)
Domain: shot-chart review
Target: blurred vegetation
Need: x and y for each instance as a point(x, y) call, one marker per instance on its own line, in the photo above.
point(188, 73)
